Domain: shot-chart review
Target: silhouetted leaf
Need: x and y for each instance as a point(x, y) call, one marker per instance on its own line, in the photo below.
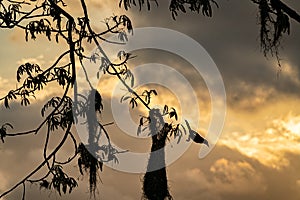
point(173, 114)
point(139, 130)
point(44, 184)
point(124, 98)
point(25, 102)
point(101, 166)
point(120, 54)
point(141, 121)
point(56, 38)
point(166, 110)
point(133, 103)
point(6, 102)
point(132, 81)
point(184, 130)
point(179, 139)
point(154, 92)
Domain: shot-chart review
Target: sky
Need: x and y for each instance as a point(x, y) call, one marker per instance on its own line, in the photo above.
point(258, 153)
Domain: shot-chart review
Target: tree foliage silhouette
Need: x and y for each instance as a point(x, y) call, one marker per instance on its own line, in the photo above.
point(50, 19)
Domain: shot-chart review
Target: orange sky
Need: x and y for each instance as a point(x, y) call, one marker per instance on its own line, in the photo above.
point(258, 154)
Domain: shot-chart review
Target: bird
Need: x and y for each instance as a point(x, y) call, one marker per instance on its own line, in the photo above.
point(195, 136)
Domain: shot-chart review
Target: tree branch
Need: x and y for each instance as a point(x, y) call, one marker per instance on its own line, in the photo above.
point(293, 14)
point(103, 53)
point(290, 12)
point(71, 44)
point(42, 164)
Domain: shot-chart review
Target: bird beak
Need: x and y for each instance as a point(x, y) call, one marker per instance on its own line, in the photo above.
point(206, 143)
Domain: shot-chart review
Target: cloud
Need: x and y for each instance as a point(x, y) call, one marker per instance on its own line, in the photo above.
point(270, 145)
point(39, 60)
point(291, 72)
point(3, 83)
point(229, 175)
point(217, 180)
point(233, 43)
point(246, 96)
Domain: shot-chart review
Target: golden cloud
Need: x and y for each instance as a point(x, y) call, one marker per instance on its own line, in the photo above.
point(236, 177)
point(270, 145)
point(290, 72)
point(39, 60)
point(223, 177)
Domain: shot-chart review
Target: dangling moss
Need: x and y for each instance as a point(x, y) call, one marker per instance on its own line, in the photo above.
point(88, 163)
point(155, 183)
point(86, 160)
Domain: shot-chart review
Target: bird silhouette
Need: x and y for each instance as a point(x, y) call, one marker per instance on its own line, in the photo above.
point(195, 136)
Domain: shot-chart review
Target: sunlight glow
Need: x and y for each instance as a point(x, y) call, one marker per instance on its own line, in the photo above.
point(293, 126)
point(268, 146)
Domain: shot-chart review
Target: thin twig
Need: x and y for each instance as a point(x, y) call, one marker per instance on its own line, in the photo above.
point(42, 164)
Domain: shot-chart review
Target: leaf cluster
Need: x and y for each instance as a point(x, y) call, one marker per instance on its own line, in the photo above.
point(62, 115)
point(203, 6)
point(175, 6)
point(60, 182)
point(127, 3)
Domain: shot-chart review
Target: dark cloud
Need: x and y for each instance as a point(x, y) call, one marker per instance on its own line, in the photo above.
point(231, 37)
